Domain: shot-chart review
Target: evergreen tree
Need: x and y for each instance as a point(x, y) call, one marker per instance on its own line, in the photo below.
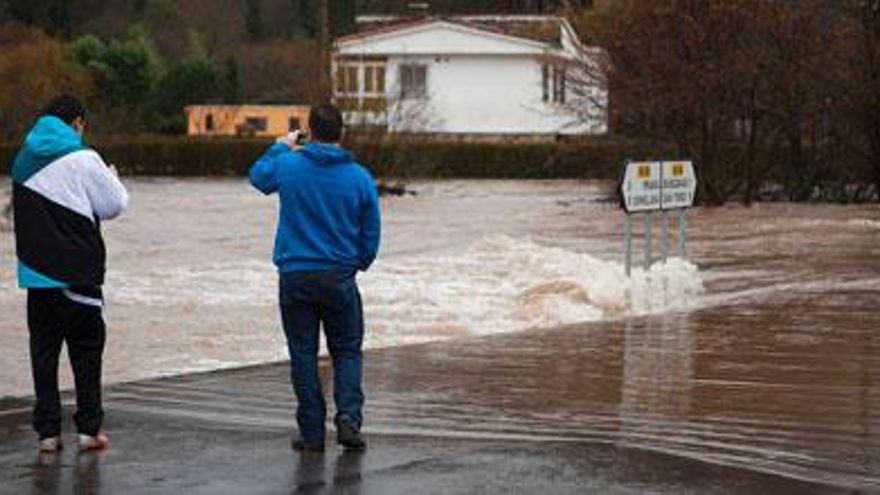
point(193, 81)
point(125, 71)
point(55, 16)
point(305, 12)
point(231, 83)
point(61, 17)
point(342, 13)
point(254, 20)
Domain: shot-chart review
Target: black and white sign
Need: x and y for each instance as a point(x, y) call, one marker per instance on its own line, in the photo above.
point(651, 186)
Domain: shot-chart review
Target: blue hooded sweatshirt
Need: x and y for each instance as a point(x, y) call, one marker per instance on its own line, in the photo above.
point(329, 214)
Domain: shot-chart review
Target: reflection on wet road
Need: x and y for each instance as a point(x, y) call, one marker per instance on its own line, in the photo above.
point(791, 395)
point(794, 395)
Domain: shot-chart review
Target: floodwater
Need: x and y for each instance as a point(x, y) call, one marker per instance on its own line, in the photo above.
point(190, 284)
point(761, 351)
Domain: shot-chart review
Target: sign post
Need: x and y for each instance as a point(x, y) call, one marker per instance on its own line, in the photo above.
point(649, 241)
point(629, 243)
point(682, 248)
point(657, 186)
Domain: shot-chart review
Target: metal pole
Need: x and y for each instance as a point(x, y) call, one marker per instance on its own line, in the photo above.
point(629, 244)
point(682, 246)
point(664, 240)
point(648, 218)
point(664, 227)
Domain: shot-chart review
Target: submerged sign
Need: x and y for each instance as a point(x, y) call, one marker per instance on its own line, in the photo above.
point(641, 186)
point(679, 185)
point(650, 186)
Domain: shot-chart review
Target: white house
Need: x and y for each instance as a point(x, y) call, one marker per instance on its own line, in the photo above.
point(481, 75)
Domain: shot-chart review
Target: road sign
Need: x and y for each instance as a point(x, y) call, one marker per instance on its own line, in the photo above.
point(679, 185)
point(651, 186)
point(641, 186)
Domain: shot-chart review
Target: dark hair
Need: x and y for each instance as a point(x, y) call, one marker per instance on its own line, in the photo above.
point(66, 108)
point(325, 123)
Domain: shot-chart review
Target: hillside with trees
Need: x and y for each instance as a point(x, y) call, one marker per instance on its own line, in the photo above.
point(139, 62)
point(771, 98)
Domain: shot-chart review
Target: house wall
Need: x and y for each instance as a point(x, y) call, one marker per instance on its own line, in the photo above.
point(478, 82)
point(231, 120)
point(483, 94)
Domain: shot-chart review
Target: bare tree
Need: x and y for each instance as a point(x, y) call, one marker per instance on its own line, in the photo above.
point(860, 94)
point(576, 86)
point(870, 34)
point(32, 70)
point(743, 87)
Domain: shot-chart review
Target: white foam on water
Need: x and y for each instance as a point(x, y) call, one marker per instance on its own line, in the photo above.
point(855, 223)
point(247, 282)
point(498, 284)
point(503, 284)
point(864, 223)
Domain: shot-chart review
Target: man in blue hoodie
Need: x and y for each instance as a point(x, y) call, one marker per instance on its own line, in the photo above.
point(328, 229)
point(61, 191)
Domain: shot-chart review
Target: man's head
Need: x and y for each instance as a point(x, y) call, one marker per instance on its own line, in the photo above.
point(325, 123)
point(69, 109)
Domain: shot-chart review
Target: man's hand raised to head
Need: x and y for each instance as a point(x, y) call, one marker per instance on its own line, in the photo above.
point(292, 140)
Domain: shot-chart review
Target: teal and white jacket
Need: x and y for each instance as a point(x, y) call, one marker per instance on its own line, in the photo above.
point(61, 191)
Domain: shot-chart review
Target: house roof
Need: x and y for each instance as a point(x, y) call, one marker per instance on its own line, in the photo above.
point(542, 29)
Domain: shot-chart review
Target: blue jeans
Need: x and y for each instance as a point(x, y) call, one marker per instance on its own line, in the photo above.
point(330, 299)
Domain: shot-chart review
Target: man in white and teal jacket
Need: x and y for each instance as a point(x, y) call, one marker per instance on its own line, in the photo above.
point(328, 230)
point(61, 192)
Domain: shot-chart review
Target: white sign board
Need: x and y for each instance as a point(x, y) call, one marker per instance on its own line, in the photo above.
point(679, 185)
point(641, 186)
point(650, 186)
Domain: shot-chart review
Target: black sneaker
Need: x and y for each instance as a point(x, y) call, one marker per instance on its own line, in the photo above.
point(349, 436)
point(300, 445)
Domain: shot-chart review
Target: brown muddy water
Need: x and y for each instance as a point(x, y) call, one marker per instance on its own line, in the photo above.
point(760, 351)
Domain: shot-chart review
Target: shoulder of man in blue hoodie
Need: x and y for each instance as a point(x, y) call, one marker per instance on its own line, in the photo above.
point(263, 174)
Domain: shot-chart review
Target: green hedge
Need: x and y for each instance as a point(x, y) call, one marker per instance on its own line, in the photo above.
point(594, 158)
point(171, 156)
point(598, 158)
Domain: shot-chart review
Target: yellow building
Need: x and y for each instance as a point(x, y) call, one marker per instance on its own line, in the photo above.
point(245, 120)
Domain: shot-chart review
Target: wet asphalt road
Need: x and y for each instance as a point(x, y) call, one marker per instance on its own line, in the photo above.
point(669, 405)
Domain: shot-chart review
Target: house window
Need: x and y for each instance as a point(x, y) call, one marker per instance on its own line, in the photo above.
point(545, 84)
point(360, 85)
point(413, 81)
point(380, 79)
point(351, 79)
point(347, 79)
point(340, 80)
point(368, 79)
point(293, 124)
point(256, 123)
point(374, 80)
point(559, 84)
point(553, 82)
point(209, 122)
